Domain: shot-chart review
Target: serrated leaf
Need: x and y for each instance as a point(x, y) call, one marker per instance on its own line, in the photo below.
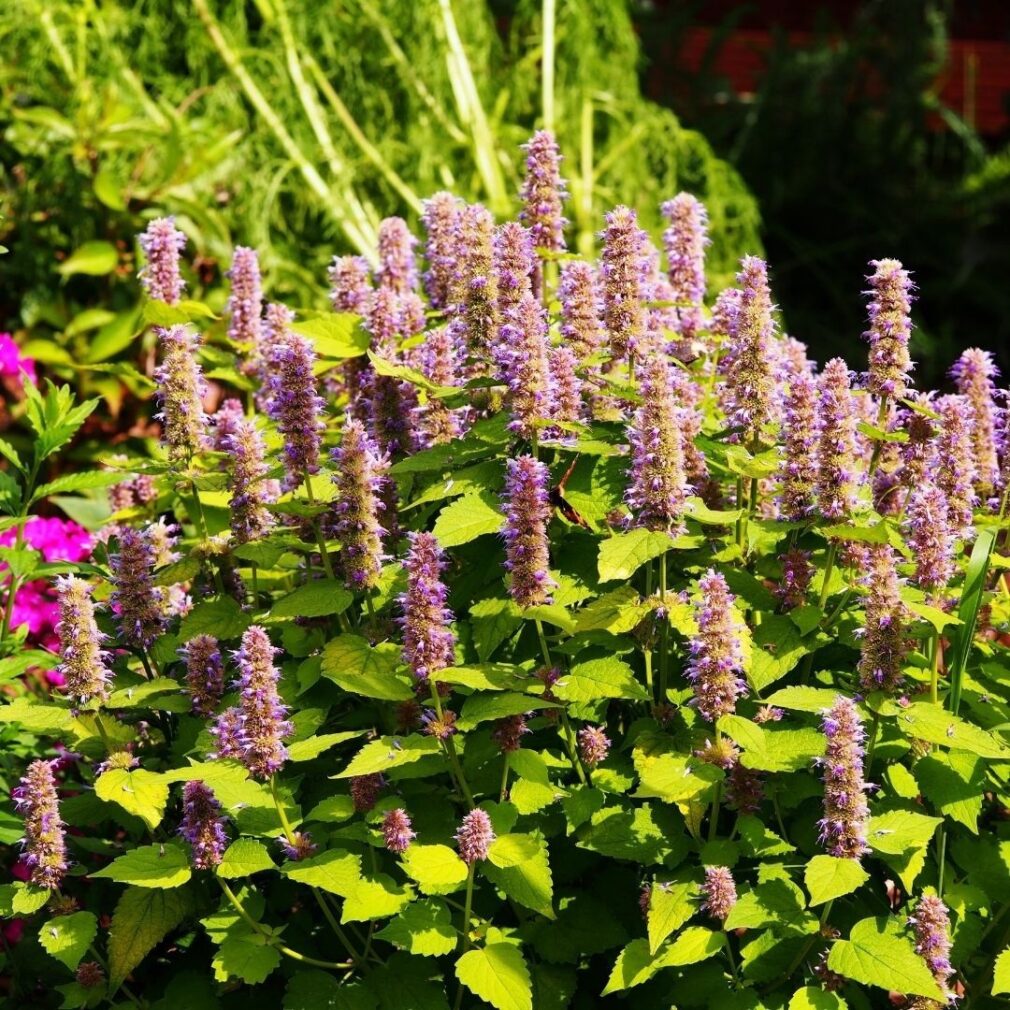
point(877, 953)
point(248, 956)
point(27, 898)
point(142, 919)
point(896, 831)
point(616, 612)
point(480, 708)
point(375, 897)
point(469, 517)
point(334, 335)
point(829, 877)
point(929, 722)
point(68, 937)
point(222, 618)
point(811, 997)
point(493, 621)
point(1001, 973)
point(670, 906)
point(423, 928)
point(141, 793)
point(157, 313)
point(634, 966)
point(674, 778)
point(776, 903)
point(952, 781)
point(76, 482)
point(803, 699)
point(319, 990)
point(622, 554)
point(316, 599)
point(436, 868)
point(498, 975)
point(157, 866)
point(600, 678)
point(243, 858)
point(390, 752)
point(333, 871)
point(361, 668)
point(519, 865)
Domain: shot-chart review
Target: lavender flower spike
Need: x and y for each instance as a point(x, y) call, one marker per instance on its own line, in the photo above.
point(955, 461)
point(264, 716)
point(890, 328)
point(932, 939)
point(523, 362)
point(475, 836)
point(838, 478)
point(566, 386)
point(846, 814)
point(441, 223)
point(798, 473)
point(594, 746)
point(82, 660)
point(930, 537)
point(884, 646)
point(397, 268)
point(475, 287)
point(685, 241)
point(250, 491)
point(293, 401)
point(514, 263)
point(581, 324)
point(397, 832)
point(439, 423)
point(623, 309)
point(350, 284)
point(428, 641)
point(134, 599)
point(163, 244)
point(245, 302)
point(44, 842)
point(716, 651)
point(974, 373)
point(658, 490)
point(527, 511)
point(202, 825)
point(204, 673)
point(718, 892)
point(180, 394)
point(359, 476)
point(751, 380)
point(543, 193)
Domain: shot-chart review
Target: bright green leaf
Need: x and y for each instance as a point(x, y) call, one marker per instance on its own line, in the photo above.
point(243, 858)
point(498, 975)
point(68, 937)
point(829, 877)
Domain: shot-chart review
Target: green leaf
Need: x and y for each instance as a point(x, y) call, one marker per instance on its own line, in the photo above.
point(896, 831)
point(68, 937)
point(436, 868)
point(390, 752)
point(83, 481)
point(695, 944)
point(222, 618)
point(28, 899)
point(811, 997)
point(863, 534)
point(498, 975)
point(375, 898)
point(306, 750)
point(406, 981)
point(480, 708)
point(467, 518)
point(35, 717)
point(519, 865)
point(333, 871)
point(701, 513)
point(142, 919)
point(972, 596)
point(335, 335)
point(829, 877)
point(493, 621)
point(93, 258)
point(368, 670)
point(929, 722)
point(319, 990)
point(776, 903)
point(248, 956)
point(617, 612)
point(670, 906)
point(138, 792)
point(674, 778)
point(877, 953)
point(803, 699)
point(243, 858)
point(778, 647)
point(1001, 973)
point(424, 928)
point(316, 599)
point(634, 965)
point(159, 866)
point(600, 678)
point(187, 311)
point(622, 554)
point(953, 782)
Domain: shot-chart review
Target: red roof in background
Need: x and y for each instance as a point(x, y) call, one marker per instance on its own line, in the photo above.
point(975, 83)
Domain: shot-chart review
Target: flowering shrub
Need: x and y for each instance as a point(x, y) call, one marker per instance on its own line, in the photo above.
point(520, 633)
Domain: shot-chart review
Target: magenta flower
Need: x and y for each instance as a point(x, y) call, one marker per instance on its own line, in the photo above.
point(685, 241)
point(12, 363)
point(202, 825)
point(428, 640)
point(397, 833)
point(890, 328)
point(543, 193)
point(204, 673)
point(180, 394)
point(623, 311)
point(527, 512)
point(474, 836)
point(716, 651)
point(594, 745)
point(397, 267)
point(718, 892)
point(82, 666)
point(162, 244)
point(350, 284)
point(44, 844)
point(441, 223)
point(846, 813)
point(581, 310)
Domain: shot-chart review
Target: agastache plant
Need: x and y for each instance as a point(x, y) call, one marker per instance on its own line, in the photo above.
point(685, 240)
point(581, 323)
point(350, 284)
point(890, 328)
point(180, 393)
point(44, 843)
point(543, 193)
point(750, 379)
point(527, 511)
point(163, 245)
point(884, 643)
point(621, 279)
point(441, 251)
point(846, 813)
point(245, 302)
point(839, 471)
point(428, 641)
point(203, 826)
point(956, 467)
point(716, 653)
point(522, 356)
point(82, 659)
point(134, 600)
point(975, 375)
point(397, 268)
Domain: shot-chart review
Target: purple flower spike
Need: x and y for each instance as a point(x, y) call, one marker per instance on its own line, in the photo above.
point(397, 268)
point(566, 386)
point(438, 423)
point(293, 401)
point(428, 641)
point(82, 661)
point(202, 825)
point(475, 836)
point(716, 651)
point(397, 832)
point(955, 462)
point(685, 241)
point(180, 393)
point(623, 309)
point(846, 813)
point(581, 309)
point(441, 223)
point(751, 380)
point(44, 844)
point(930, 537)
point(204, 673)
point(658, 489)
point(932, 939)
point(299, 846)
point(163, 244)
point(508, 733)
point(890, 328)
point(594, 745)
point(365, 791)
point(250, 490)
point(884, 646)
point(475, 288)
point(359, 476)
point(798, 473)
point(975, 373)
point(527, 511)
point(350, 284)
point(522, 359)
point(245, 302)
point(135, 599)
point(718, 892)
point(543, 192)
point(837, 483)
point(514, 263)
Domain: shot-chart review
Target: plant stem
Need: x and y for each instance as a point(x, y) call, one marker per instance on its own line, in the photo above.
point(504, 779)
point(664, 633)
point(878, 448)
point(468, 906)
point(450, 750)
point(318, 530)
point(934, 675)
point(829, 565)
point(547, 63)
point(874, 726)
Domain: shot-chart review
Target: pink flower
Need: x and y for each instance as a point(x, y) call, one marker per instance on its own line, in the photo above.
point(11, 361)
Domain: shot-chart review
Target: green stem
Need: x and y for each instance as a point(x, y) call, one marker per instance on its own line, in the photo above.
point(468, 906)
point(878, 448)
point(664, 633)
point(504, 779)
point(547, 63)
point(740, 508)
point(450, 750)
point(941, 861)
point(829, 565)
point(545, 652)
point(874, 726)
point(934, 674)
point(318, 530)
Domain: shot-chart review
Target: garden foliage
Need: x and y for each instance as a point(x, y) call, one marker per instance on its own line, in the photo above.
point(525, 631)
